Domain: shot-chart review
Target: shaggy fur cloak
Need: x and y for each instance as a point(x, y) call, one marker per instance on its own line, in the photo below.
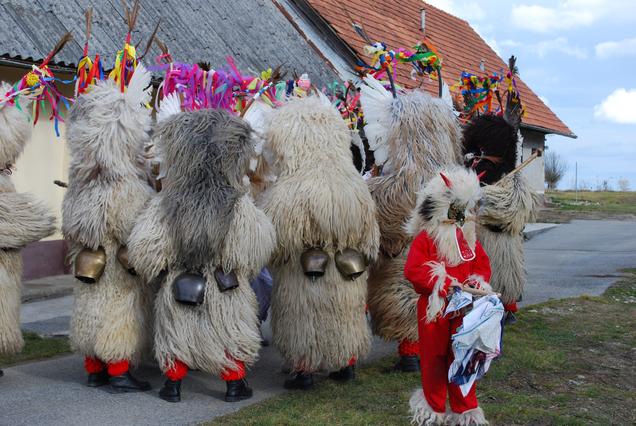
point(23, 220)
point(107, 191)
point(508, 202)
point(422, 135)
point(506, 208)
point(318, 200)
point(204, 219)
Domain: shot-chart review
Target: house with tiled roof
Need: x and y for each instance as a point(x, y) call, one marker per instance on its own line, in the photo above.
point(403, 23)
point(313, 36)
point(257, 34)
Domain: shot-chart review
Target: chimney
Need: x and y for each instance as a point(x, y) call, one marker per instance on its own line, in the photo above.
point(423, 20)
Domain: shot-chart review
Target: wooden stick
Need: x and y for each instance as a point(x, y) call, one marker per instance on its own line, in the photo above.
point(479, 292)
point(521, 166)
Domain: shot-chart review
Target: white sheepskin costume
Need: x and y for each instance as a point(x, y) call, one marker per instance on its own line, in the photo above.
point(107, 190)
point(23, 220)
point(318, 200)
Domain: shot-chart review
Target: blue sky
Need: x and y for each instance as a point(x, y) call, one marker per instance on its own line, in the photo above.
point(579, 56)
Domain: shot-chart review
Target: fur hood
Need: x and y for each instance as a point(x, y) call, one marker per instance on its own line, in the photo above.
point(206, 155)
point(15, 128)
point(107, 130)
point(433, 203)
point(305, 132)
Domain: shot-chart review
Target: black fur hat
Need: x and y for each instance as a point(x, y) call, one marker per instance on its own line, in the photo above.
point(492, 137)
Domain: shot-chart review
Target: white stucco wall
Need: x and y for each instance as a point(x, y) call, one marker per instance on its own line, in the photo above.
point(534, 172)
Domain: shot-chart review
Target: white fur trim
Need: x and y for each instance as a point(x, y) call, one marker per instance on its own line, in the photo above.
point(435, 301)
point(422, 413)
point(472, 417)
point(483, 284)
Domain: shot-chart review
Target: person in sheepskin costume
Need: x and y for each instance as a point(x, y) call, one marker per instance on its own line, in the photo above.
point(23, 220)
point(203, 239)
point(327, 233)
point(508, 203)
point(107, 190)
point(444, 255)
point(413, 135)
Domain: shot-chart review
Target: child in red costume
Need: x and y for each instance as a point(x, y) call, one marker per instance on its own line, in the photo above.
point(445, 255)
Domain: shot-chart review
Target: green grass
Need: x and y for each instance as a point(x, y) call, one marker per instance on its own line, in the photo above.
point(36, 348)
point(566, 362)
point(594, 201)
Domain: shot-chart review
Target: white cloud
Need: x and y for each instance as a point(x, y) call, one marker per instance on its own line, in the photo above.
point(610, 49)
point(559, 45)
point(618, 107)
point(567, 14)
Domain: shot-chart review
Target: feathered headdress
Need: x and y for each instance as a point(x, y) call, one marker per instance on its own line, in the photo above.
point(490, 138)
point(40, 86)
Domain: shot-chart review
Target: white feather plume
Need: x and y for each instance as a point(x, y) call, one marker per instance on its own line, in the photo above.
point(170, 105)
point(376, 104)
point(139, 89)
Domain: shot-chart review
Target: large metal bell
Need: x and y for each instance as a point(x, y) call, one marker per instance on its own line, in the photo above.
point(350, 263)
point(122, 256)
point(225, 281)
point(90, 265)
point(189, 289)
point(314, 262)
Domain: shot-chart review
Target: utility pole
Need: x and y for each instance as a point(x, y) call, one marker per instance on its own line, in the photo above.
point(576, 181)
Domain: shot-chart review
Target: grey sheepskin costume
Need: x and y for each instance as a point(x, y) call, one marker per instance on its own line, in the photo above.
point(415, 135)
point(319, 203)
point(107, 190)
point(508, 203)
point(204, 224)
point(23, 220)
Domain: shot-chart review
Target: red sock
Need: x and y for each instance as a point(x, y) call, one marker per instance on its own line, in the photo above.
point(511, 307)
point(93, 365)
point(352, 361)
point(118, 368)
point(409, 348)
point(238, 374)
point(177, 372)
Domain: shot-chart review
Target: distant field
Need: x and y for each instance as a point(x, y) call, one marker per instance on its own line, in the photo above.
point(593, 201)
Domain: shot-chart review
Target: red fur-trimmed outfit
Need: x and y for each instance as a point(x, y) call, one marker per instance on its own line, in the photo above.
point(445, 253)
point(426, 270)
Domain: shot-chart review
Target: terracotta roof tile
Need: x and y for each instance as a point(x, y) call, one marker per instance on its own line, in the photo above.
point(397, 23)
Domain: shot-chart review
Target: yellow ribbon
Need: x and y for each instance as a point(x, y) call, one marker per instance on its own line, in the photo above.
point(131, 55)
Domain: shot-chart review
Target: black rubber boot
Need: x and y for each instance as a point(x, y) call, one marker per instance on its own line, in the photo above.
point(300, 381)
point(96, 380)
point(344, 374)
point(237, 390)
point(408, 364)
point(171, 391)
point(126, 383)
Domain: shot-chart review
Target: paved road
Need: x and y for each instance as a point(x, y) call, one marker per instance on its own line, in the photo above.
point(582, 257)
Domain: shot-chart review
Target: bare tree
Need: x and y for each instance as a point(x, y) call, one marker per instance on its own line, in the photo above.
point(623, 185)
point(555, 168)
